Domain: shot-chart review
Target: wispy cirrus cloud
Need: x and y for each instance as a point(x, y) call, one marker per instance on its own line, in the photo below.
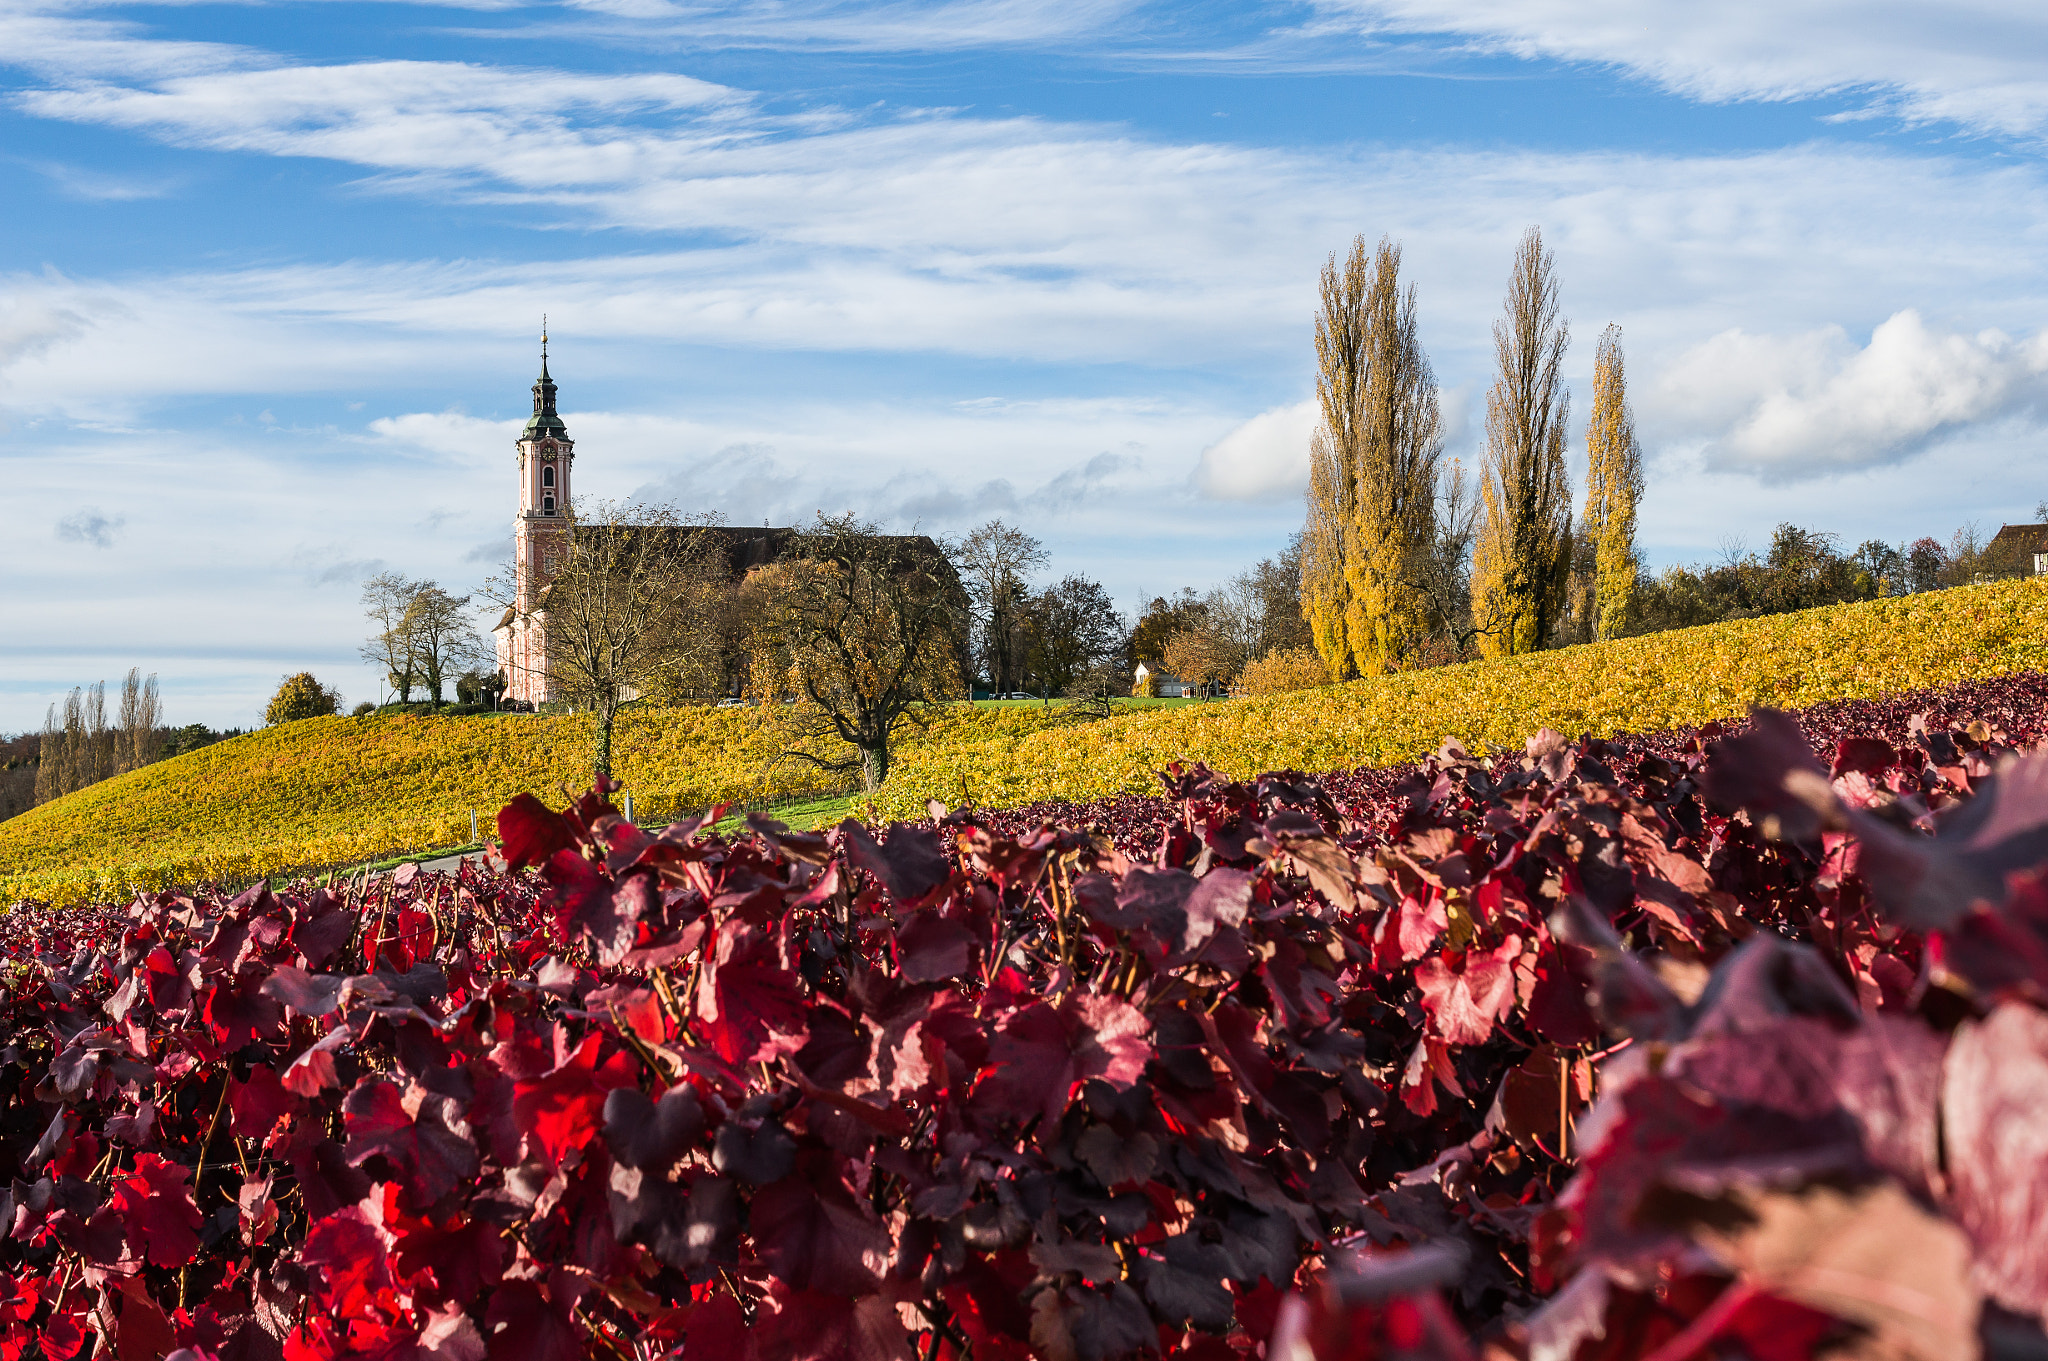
point(1982, 65)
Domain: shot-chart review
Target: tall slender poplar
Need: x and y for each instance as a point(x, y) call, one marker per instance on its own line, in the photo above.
point(1373, 468)
point(1614, 484)
point(1521, 563)
point(1325, 539)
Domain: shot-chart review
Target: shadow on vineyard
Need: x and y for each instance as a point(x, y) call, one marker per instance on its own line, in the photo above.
point(1695, 1046)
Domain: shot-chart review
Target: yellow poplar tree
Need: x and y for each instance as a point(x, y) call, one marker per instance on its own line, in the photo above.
point(1521, 560)
point(1614, 483)
point(1373, 468)
point(1324, 542)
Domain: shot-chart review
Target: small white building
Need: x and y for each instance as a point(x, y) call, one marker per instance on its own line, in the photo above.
point(1149, 682)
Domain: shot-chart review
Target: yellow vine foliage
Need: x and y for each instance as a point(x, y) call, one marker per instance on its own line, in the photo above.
point(1284, 669)
point(341, 790)
point(1643, 684)
point(331, 791)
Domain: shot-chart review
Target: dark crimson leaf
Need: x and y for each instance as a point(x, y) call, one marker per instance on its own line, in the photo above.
point(564, 1109)
point(1184, 1283)
point(259, 1103)
point(1540, 1097)
point(718, 1331)
point(1557, 1007)
point(1328, 866)
point(56, 1138)
point(592, 908)
point(523, 1324)
point(1771, 773)
point(1627, 995)
point(1092, 1261)
point(750, 1007)
point(1091, 1325)
point(465, 1257)
point(1150, 904)
point(347, 1252)
point(321, 1168)
point(313, 1071)
point(399, 940)
point(141, 1331)
point(1221, 898)
point(530, 833)
point(910, 863)
point(817, 1326)
point(817, 1237)
point(649, 1134)
point(321, 927)
point(933, 948)
point(240, 1013)
point(754, 1156)
point(307, 994)
point(1040, 1055)
point(410, 1132)
point(163, 1223)
point(810, 847)
point(1978, 846)
point(1995, 1129)
point(1870, 755)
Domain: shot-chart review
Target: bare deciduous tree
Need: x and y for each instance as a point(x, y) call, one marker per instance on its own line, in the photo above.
point(620, 605)
point(995, 563)
point(866, 628)
point(78, 747)
point(386, 599)
point(441, 638)
point(141, 722)
point(421, 636)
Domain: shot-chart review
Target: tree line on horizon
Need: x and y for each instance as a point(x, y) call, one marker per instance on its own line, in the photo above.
point(1405, 559)
point(82, 743)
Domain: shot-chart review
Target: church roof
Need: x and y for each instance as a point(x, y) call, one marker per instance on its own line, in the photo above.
point(2033, 538)
point(545, 419)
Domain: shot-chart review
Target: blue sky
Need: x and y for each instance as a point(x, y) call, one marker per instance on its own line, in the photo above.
point(273, 275)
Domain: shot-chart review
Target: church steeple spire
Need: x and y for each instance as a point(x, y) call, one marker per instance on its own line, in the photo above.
point(545, 420)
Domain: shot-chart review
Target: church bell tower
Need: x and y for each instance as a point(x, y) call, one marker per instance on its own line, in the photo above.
point(540, 537)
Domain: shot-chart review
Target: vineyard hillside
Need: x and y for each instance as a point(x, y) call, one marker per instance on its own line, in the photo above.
point(330, 791)
point(1663, 680)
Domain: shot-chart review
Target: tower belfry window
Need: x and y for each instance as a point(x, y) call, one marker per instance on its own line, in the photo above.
point(547, 504)
point(547, 475)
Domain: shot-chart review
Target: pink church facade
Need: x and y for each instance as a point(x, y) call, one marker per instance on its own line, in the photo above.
point(546, 456)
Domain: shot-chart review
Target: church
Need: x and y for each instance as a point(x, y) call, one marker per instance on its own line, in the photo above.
point(546, 457)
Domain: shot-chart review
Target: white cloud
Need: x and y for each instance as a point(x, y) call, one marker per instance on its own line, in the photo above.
point(760, 368)
point(1812, 404)
point(1264, 459)
point(1982, 64)
point(91, 525)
